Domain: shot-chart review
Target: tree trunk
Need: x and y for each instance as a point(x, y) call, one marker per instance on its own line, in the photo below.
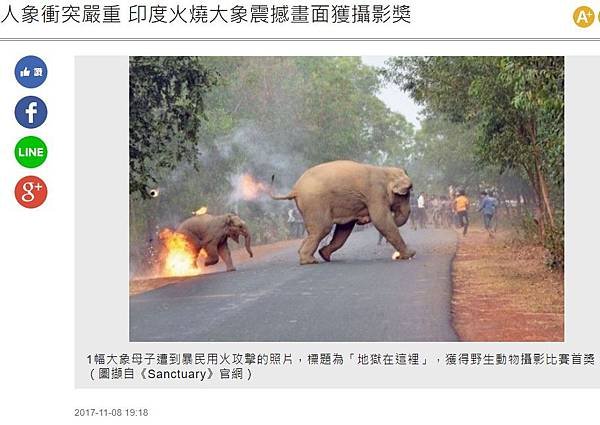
point(541, 179)
point(543, 186)
point(538, 213)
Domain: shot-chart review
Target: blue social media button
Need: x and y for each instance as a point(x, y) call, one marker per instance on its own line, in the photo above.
point(31, 72)
point(31, 112)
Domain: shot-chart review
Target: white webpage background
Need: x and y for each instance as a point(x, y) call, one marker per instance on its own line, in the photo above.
point(38, 255)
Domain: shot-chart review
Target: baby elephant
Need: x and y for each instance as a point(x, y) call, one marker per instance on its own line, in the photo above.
point(211, 233)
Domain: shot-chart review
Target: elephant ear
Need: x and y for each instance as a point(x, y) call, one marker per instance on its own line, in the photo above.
point(231, 227)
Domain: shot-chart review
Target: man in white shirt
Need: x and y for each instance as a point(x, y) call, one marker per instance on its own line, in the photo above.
point(422, 215)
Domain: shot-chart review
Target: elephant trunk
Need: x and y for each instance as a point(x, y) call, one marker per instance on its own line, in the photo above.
point(401, 219)
point(247, 241)
point(402, 212)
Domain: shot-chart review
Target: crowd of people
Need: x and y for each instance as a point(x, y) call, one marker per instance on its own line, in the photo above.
point(451, 210)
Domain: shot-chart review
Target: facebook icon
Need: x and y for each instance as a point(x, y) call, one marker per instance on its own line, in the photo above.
point(31, 112)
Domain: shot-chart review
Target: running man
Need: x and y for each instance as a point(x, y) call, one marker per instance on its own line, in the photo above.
point(436, 211)
point(413, 212)
point(461, 208)
point(487, 206)
point(447, 213)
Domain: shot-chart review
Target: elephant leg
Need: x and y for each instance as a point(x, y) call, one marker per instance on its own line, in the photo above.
point(212, 255)
point(340, 234)
point(225, 255)
point(384, 222)
point(317, 223)
point(317, 230)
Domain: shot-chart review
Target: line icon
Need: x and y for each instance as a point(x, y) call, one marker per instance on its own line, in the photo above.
point(31, 152)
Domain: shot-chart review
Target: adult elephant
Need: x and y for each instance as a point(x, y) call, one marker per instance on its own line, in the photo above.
point(210, 232)
point(344, 193)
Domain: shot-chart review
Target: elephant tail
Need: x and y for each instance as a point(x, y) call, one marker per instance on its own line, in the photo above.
point(289, 196)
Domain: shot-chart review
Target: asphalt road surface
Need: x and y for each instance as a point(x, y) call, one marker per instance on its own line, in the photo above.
point(362, 295)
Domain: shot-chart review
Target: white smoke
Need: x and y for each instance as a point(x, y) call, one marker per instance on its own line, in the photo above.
point(262, 155)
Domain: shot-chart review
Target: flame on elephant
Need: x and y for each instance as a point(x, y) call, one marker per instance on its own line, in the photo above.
point(178, 256)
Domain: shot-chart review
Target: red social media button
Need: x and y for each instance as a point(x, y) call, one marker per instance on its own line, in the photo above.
point(31, 192)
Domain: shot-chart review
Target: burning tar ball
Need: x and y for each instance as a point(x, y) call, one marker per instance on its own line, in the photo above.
point(153, 192)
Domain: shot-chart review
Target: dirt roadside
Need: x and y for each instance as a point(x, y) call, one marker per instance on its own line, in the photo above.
point(504, 292)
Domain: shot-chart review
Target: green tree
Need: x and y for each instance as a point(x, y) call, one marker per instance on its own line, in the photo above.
point(514, 103)
point(166, 111)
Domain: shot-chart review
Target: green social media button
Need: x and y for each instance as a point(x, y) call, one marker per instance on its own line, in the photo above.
point(31, 152)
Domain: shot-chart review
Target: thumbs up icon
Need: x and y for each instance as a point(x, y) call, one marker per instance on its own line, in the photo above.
point(31, 72)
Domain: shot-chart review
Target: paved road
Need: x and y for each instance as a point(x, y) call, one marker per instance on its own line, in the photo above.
point(362, 295)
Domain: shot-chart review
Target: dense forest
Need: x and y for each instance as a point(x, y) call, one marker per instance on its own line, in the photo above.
point(200, 126)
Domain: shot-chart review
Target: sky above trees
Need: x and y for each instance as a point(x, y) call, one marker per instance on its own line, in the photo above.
point(394, 98)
